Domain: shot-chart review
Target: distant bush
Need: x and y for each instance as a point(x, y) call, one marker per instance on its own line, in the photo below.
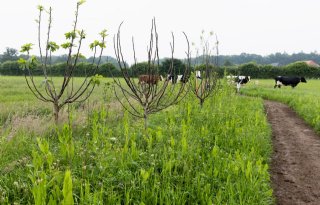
point(108, 68)
point(302, 69)
point(178, 65)
point(142, 68)
point(12, 68)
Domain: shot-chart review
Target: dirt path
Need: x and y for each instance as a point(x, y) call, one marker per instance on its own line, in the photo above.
point(295, 166)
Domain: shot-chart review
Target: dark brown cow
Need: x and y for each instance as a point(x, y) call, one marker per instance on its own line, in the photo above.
point(149, 79)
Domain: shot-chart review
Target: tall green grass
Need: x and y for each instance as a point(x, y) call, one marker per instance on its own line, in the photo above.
point(304, 99)
point(217, 154)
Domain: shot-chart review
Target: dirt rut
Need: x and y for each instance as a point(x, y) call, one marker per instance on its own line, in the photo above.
point(295, 165)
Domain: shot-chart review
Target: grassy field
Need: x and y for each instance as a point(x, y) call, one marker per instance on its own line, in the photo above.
point(304, 99)
point(215, 155)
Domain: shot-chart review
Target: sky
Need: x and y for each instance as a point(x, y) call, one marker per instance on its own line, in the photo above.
point(242, 26)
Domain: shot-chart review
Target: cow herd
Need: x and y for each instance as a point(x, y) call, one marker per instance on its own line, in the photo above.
point(154, 79)
point(238, 80)
point(292, 81)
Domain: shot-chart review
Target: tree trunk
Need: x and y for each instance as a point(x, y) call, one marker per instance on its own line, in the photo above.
point(201, 103)
point(56, 112)
point(145, 116)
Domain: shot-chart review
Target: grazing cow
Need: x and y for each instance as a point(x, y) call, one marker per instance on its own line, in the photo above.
point(240, 80)
point(198, 74)
point(177, 78)
point(292, 81)
point(171, 78)
point(182, 78)
point(149, 79)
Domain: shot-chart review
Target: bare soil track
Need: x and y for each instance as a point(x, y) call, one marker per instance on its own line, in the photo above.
point(295, 165)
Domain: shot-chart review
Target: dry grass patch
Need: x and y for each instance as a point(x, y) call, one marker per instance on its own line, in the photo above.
point(29, 123)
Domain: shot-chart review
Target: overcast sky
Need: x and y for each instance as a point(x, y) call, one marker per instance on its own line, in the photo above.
point(251, 26)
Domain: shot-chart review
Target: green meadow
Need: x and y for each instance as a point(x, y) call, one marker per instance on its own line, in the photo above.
point(100, 154)
point(304, 99)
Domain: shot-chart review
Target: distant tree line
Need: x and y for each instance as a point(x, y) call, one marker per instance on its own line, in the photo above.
point(280, 59)
point(107, 69)
point(12, 54)
point(244, 64)
point(268, 71)
point(58, 69)
point(9, 64)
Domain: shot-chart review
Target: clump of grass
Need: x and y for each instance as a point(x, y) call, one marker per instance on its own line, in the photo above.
point(15, 157)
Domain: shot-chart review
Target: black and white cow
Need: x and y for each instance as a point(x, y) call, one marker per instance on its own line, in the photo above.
point(177, 78)
point(183, 78)
point(171, 78)
point(198, 74)
point(240, 80)
point(292, 81)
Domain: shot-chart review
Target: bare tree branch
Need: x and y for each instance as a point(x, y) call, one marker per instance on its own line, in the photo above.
point(149, 95)
point(205, 85)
